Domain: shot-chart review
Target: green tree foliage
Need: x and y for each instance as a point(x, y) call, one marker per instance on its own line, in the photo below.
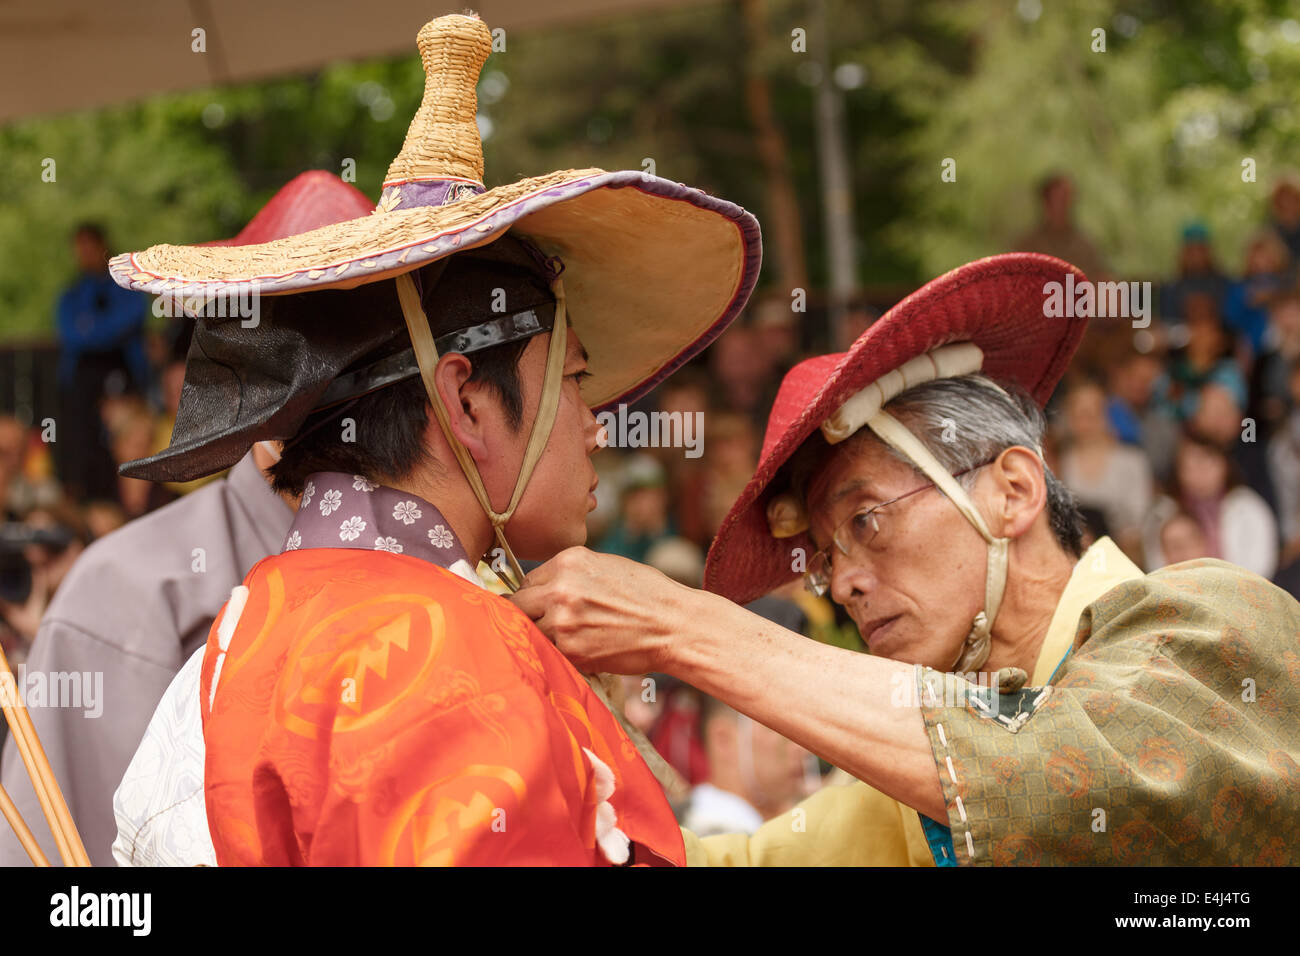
point(182, 168)
point(140, 172)
point(1154, 130)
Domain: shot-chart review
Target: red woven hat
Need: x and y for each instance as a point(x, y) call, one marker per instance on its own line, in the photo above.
point(308, 201)
point(995, 303)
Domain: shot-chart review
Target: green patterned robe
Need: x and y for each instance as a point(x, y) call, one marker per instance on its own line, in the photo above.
point(1169, 735)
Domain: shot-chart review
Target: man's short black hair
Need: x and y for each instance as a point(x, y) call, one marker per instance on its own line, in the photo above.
point(380, 435)
point(964, 422)
point(384, 439)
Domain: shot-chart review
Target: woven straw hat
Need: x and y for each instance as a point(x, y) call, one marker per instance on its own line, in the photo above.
point(986, 315)
point(654, 270)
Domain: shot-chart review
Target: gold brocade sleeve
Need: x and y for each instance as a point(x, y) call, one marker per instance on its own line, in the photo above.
point(851, 825)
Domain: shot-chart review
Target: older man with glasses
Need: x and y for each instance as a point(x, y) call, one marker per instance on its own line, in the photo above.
point(1024, 701)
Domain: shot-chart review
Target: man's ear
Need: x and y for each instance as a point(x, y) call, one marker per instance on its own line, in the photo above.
point(463, 401)
point(1021, 487)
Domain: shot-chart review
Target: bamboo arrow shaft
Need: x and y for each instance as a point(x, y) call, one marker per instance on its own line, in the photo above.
point(48, 794)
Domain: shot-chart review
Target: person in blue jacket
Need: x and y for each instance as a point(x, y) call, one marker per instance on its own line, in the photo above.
point(101, 341)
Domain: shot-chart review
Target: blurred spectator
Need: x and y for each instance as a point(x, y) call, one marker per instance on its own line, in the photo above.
point(1267, 272)
point(744, 379)
point(131, 430)
point(102, 518)
point(24, 485)
point(754, 773)
point(40, 536)
point(1056, 234)
point(1218, 417)
point(1284, 209)
point(776, 334)
point(1197, 272)
point(686, 393)
point(1183, 539)
point(1270, 391)
point(100, 328)
point(643, 518)
point(641, 702)
point(32, 574)
point(676, 733)
point(1238, 525)
point(13, 442)
point(609, 471)
point(1206, 357)
point(1284, 467)
point(732, 445)
point(1101, 471)
point(1134, 416)
point(681, 560)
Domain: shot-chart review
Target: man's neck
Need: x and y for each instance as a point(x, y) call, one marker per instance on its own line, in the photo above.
point(451, 495)
point(1040, 576)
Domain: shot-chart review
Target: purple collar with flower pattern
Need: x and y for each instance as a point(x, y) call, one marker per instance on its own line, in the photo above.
point(349, 511)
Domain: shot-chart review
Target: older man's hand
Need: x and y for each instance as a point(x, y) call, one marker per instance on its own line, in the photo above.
point(605, 613)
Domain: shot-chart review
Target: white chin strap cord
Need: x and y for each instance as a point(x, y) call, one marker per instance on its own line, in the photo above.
point(426, 354)
point(866, 407)
point(975, 651)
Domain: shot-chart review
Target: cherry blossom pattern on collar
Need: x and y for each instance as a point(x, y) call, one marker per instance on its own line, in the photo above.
point(350, 511)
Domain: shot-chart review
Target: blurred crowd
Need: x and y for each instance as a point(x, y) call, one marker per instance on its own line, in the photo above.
point(1180, 439)
point(119, 386)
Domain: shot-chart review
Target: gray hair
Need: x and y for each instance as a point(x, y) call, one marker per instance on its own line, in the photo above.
point(968, 421)
point(964, 422)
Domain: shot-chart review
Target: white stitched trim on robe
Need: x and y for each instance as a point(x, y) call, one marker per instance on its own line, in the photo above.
point(462, 568)
point(612, 841)
point(229, 621)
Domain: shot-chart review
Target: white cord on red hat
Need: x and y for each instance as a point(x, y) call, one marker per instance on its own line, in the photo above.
point(980, 639)
point(787, 517)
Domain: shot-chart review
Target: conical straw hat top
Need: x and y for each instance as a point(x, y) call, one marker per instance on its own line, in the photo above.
point(653, 269)
point(443, 139)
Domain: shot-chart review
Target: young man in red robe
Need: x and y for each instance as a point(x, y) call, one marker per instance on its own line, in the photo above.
point(363, 699)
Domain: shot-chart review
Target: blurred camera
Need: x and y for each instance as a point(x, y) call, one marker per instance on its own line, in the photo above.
point(15, 538)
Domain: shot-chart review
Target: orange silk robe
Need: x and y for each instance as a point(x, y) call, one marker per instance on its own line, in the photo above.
point(376, 709)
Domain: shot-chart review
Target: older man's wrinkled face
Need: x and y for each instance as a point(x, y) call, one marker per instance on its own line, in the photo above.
point(916, 586)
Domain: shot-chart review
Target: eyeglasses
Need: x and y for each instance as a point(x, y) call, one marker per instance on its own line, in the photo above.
point(859, 531)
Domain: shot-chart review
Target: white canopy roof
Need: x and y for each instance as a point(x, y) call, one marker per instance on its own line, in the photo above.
point(61, 55)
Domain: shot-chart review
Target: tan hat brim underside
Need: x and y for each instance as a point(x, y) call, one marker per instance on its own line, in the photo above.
point(647, 276)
